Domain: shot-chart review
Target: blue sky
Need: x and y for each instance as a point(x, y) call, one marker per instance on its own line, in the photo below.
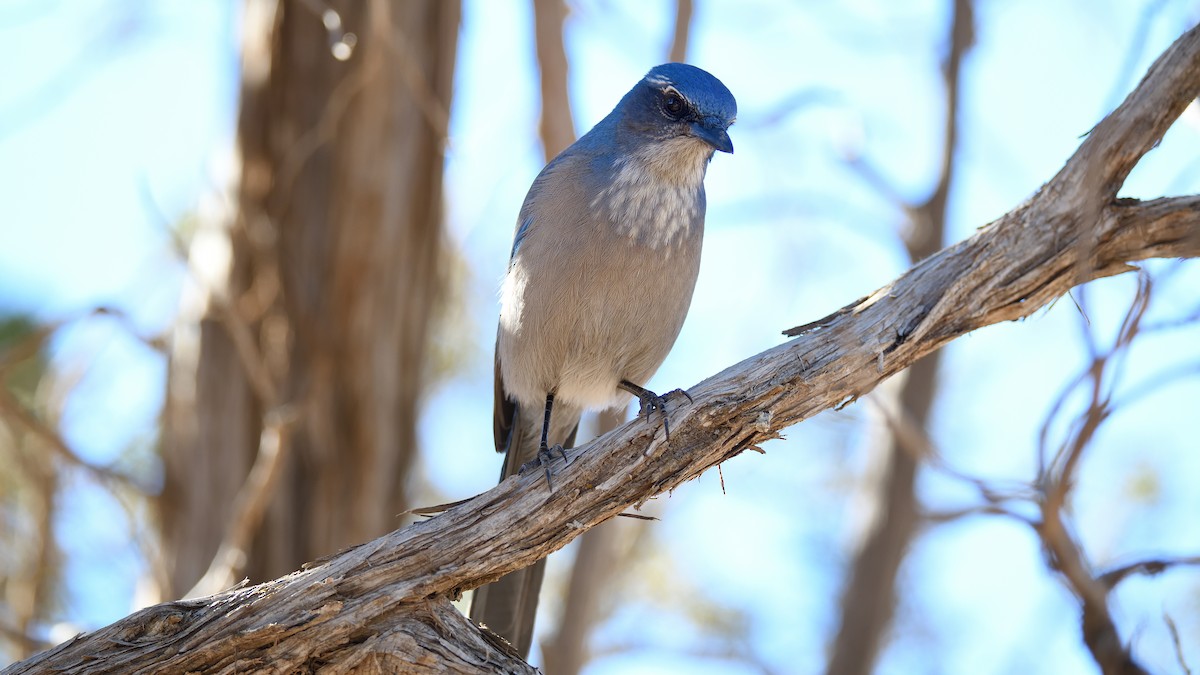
point(116, 121)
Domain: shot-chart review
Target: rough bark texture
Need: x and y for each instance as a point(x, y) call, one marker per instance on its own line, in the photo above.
point(325, 310)
point(1073, 230)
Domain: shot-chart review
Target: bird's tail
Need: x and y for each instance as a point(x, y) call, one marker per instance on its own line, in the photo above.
point(508, 606)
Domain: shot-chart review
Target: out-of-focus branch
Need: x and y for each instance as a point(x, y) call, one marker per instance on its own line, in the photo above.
point(252, 500)
point(433, 108)
point(1063, 552)
point(683, 30)
point(1111, 578)
point(557, 126)
point(26, 644)
point(31, 563)
point(1177, 644)
point(13, 410)
point(1099, 630)
point(37, 458)
point(1054, 483)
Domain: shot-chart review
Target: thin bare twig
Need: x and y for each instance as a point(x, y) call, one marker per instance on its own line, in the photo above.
point(951, 515)
point(1063, 552)
point(1177, 643)
point(1152, 567)
point(14, 410)
point(916, 442)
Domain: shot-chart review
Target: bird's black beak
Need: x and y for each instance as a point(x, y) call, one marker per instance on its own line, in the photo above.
point(714, 134)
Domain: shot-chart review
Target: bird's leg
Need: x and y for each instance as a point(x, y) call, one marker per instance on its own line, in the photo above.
point(650, 402)
point(545, 454)
point(542, 449)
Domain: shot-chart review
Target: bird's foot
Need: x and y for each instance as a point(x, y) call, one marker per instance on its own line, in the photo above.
point(545, 457)
point(650, 402)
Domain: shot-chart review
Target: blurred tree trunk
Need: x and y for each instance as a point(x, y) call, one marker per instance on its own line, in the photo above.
point(321, 315)
point(869, 599)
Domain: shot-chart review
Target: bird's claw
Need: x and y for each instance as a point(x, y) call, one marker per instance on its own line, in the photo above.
point(545, 457)
point(649, 403)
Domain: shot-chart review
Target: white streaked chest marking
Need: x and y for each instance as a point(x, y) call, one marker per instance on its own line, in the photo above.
point(654, 197)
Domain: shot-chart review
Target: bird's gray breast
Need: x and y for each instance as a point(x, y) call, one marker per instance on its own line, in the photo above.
point(600, 285)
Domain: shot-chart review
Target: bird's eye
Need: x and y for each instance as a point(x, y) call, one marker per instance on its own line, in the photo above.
point(673, 105)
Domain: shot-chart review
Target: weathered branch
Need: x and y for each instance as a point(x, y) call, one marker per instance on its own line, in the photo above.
point(392, 593)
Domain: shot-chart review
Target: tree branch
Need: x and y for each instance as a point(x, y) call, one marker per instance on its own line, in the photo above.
point(393, 592)
point(557, 126)
point(683, 29)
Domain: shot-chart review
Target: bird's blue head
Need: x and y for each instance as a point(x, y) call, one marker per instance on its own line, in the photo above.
point(676, 100)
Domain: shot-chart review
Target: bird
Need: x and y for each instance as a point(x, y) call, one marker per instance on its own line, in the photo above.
point(600, 277)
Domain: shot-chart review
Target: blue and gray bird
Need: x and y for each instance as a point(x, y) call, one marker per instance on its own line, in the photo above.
point(603, 265)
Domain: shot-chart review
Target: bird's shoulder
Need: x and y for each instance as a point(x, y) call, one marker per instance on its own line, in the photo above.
point(585, 161)
point(575, 174)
